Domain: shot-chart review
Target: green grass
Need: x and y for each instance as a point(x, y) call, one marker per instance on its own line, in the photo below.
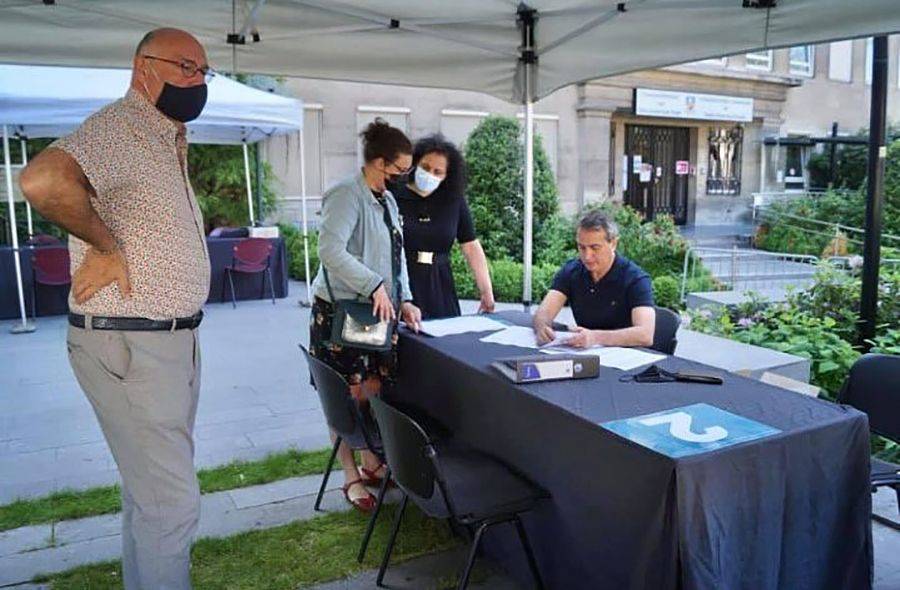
point(67, 505)
point(299, 554)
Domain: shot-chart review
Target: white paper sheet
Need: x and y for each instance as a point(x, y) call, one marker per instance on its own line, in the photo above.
point(520, 336)
point(615, 357)
point(460, 325)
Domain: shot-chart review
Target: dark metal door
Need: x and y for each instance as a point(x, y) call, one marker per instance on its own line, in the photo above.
point(667, 152)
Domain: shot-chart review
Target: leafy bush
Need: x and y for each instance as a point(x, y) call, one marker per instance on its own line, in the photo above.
point(217, 175)
point(836, 295)
point(798, 233)
point(495, 158)
point(784, 328)
point(506, 277)
point(887, 343)
point(293, 241)
point(667, 292)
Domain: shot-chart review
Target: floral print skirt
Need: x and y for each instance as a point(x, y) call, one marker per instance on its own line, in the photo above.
point(356, 365)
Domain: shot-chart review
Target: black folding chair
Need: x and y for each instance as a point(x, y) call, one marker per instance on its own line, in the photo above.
point(872, 387)
point(350, 425)
point(667, 323)
point(469, 488)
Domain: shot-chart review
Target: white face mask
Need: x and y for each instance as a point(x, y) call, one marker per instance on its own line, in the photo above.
point(426, 182)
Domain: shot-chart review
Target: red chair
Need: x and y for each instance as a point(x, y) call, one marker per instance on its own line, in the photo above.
point(250, 256)
point(43, 240)
point(49, 266)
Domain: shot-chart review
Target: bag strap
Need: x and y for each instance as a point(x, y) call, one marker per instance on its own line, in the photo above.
point(328, 285)
point(395, 270)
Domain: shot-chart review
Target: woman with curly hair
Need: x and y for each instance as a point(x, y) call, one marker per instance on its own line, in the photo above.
point(435, 215)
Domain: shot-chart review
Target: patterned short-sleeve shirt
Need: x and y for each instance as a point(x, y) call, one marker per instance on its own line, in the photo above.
point(136, 160)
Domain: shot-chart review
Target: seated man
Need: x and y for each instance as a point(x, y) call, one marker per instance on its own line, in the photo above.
point(611, 297)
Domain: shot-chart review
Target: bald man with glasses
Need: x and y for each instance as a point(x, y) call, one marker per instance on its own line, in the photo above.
point(119, 185)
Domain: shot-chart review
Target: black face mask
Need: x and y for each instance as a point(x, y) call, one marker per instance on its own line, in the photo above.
point(182, 103)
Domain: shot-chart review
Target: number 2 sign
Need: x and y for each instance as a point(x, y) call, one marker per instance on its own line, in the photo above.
point(689, 430)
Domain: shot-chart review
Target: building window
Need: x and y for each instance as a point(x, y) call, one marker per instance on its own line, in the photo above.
point(840, 61)
point(395, 117)
point(760, 60)
point(725, 147)
point(803, 60)
point(456, 125)
point(868, 72)
point(795, 167)
point(713, 61)
point(547, 128)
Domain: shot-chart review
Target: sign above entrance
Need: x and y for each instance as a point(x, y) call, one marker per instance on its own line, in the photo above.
point(691, 105)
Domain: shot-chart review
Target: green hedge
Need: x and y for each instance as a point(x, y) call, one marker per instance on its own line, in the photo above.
point(293, 240)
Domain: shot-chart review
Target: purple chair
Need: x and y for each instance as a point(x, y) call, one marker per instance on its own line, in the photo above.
point(49, 266)
point(250, 256)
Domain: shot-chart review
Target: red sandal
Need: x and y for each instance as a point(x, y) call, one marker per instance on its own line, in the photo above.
point(366, 504)
point(372, 478)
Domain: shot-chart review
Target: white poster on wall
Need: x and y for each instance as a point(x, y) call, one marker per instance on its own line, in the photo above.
point(692, 105)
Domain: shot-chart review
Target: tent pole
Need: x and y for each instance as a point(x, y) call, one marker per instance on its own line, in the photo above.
point(249, 189)
point(874, 192)
point(305, 222)
point(527, 18)
point(24, 326)
point(257, 162)
point(529, 203)
point(24, 147)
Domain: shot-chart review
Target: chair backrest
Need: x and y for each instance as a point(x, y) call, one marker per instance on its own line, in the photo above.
point(667, 323)
point(405, 444)
point(253, 250)
point(51, 266)
point(42, 240)
point(334, 394)
point(873, 387)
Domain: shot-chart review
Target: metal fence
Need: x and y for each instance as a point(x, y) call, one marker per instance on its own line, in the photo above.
point(738, 269)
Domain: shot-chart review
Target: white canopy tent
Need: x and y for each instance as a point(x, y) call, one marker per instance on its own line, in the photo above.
point(51, 101)
point(518, 51)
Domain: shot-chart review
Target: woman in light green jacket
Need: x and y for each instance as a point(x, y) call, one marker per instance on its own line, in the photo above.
point(361, 246)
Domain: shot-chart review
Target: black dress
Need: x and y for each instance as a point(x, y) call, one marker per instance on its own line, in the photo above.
point(431, 225)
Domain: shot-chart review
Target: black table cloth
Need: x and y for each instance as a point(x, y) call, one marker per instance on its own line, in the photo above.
point(54, 300)
point(788, 511)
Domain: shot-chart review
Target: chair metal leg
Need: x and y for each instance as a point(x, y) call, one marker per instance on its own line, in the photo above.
point(473, 553)
point(382, 492)
point(271, 285)
point(34, 300)
point(327, 474)
point(529, 553)
point(231, 283)
point(390, 546)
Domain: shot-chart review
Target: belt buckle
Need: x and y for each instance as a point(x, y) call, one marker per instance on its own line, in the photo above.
point(425, 258)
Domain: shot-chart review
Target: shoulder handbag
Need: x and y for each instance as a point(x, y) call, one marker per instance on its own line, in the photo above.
point(355, 326)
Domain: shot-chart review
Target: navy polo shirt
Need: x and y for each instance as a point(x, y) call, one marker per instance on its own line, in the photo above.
point(605, 304)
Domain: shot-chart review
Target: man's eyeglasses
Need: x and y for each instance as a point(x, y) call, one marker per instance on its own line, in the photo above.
point(188, 67)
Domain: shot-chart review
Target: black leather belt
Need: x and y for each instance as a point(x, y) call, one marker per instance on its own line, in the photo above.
point(428, 257)
point(135, 324)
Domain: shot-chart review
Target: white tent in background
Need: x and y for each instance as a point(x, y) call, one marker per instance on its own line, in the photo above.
point(51, 101)
point(518, 51)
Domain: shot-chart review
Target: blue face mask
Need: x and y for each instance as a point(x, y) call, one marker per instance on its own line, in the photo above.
point(426, 182)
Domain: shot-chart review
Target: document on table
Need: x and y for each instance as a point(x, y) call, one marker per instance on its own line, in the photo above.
point(460, 325)
point(615, 357)
point(520, 336)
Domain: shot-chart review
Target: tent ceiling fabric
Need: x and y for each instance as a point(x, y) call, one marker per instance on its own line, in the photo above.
point(464, 44)
point(51, 101)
